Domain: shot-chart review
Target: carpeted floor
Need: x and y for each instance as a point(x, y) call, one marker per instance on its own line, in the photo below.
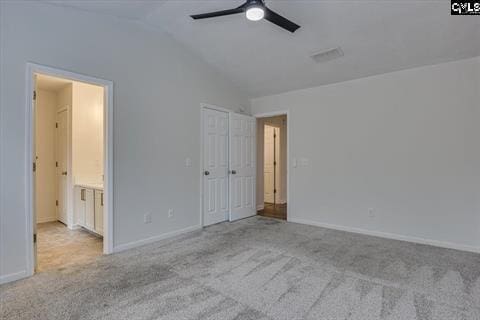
point(258, 268)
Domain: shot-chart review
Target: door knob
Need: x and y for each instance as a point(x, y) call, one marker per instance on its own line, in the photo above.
point(64, 173)
point(233, 172)
point(207, 173)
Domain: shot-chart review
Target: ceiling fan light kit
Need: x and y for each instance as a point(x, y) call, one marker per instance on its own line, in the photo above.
point(255, 10)
point(255, 13)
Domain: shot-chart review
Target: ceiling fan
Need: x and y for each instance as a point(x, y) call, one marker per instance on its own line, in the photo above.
point(255, 10)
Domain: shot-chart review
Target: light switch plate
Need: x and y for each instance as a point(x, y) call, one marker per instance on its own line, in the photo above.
point(188, 162)
point(147, 218)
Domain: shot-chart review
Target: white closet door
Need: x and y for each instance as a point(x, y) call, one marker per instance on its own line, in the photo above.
point(215, 162)
point(242, 166)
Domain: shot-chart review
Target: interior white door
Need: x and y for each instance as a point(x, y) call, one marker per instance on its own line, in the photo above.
point(61, 153)
point(268, 167)
point(242, 166)
point(215, 162)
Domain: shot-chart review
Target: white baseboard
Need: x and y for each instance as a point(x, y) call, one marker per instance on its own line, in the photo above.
point(75, 227)
point(260, 207)
point(164, 236)
point(13, 277)
point(393, 236)
point(47, 219)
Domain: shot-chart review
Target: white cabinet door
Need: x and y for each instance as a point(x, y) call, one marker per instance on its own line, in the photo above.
point(79, 211)
point(242, 166)
point(215, 166)
point(99, 212)
point(89, 209)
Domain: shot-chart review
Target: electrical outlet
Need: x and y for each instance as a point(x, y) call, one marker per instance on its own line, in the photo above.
point(170, 213)
point(147, 218)
point(371, 213)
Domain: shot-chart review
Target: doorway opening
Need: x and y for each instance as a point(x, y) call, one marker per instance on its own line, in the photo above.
point(70, 184)
point(272, 166)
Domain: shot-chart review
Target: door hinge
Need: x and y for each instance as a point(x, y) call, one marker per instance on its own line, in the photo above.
point(274, 190)
point(56, 164)
point(56, 203)
point(34, 238)
point(56, 124)
point(274, 163)
point(34, 166)
point(34, 95)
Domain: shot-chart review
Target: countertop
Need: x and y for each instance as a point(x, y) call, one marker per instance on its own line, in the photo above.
point(97, 186)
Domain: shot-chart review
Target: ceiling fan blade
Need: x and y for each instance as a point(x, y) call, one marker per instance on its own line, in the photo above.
point(280, 21)
point(219, 13)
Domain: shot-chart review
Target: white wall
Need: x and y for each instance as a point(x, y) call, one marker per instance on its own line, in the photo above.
point(158, 88)
point(64, 97)
point(45, 177)
point(87, 133)
point(405, 144)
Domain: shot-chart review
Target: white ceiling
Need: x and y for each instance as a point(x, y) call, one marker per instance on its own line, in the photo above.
point(376, 37)
point(49, 83)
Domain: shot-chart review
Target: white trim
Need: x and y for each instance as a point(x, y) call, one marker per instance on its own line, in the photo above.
point(47, 219)
point(289, 134)
point(77, 226)
point(213, 107)
point(13, 277)
point(66, 108)
point(31, 69)
point(138, 243)
point(393, 236)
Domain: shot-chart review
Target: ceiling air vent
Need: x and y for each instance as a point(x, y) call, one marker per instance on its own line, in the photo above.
point(327, 55)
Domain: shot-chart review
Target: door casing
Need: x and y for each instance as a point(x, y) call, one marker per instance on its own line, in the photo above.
point(287, 113)
point(31, 70)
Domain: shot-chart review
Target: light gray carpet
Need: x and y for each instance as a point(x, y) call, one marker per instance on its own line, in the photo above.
point(258, 268)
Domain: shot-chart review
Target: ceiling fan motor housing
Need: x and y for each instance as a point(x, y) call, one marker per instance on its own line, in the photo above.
point(255, 3)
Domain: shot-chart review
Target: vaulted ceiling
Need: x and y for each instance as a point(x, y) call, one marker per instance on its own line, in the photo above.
point(375, 36)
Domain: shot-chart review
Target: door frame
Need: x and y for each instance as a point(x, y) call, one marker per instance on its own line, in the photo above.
point(31, 70)
point(204, 106)
point(289, 134)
